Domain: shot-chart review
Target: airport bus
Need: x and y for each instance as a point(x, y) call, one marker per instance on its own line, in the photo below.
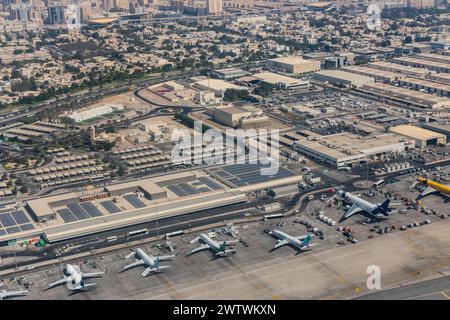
point(378, 183)
point(137, 232)
point(173, 234)
point(110, 239)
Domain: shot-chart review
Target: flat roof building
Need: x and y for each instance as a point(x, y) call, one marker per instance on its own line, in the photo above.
point(294, 64)
point(419, 63)
point(398, 68)
point(379, 75)
point(280, 81)
point(344, 149)
point(70, 215)
point(230, 73)
point(90, 113)
point(424, 85)
point(443, 128)
point(217, 86)
point(347, 79)
point(404, 96)
point(422, 137)
point(440, 77)
point(237, 117)
point(433, 57)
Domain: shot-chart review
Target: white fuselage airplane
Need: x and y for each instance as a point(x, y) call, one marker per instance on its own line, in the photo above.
point(302, 243)
point(9, 294)
point(210, 244)
point(370, 210)
point(74, 278)
point(151, 262)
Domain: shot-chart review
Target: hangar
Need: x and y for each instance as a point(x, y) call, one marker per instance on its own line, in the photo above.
point(422, 137)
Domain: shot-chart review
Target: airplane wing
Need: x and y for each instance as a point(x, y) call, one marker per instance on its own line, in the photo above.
point(280, 244)
point(202, 247)
point(134, 264)
point(225, 252)
point(427, 191)
point(57, 283)
point(195, 240)
point(131, 254)
point(93, 274)
point(163, 258)
point(306, 248)
point(149, 270)
point(300, 237)
point(9, 294)
point(353, 209)
point(231, 241)
point(87, 285)
point(311, 245)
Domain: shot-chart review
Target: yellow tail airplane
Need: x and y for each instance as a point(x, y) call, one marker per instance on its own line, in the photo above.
point(432, 186)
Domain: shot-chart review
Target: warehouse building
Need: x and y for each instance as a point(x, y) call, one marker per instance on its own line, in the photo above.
point(294, 64)
point(238, 117)
point(342, 78)
point(398, 68)
point(378, 75)
point(433, 57)
point(344, 149)
point(86, 114)
point(404, 96)
point(440, 77)
point(419, 63)
point(283, 191)
point(217, 86)
point(422, 137)
point(443, 128)
point(280, 81)
point(424, 85)
point(230, 73)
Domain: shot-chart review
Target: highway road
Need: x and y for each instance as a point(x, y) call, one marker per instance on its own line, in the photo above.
point(106, 90)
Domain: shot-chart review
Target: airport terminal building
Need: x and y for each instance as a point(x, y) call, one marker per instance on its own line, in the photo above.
point(70, 215)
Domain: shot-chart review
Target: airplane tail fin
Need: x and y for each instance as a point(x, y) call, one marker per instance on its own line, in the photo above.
point(385, 207)
point(306, 241)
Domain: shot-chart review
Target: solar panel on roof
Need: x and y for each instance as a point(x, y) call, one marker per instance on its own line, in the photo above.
point(187, 188)
point(66, 215)
point(2, 232)
point(110, 206)
point(26, 227)
point(210, 183)
point(20, 217)
point(78, 211)
point(177, 190)
point(91, 209)
point(7, 220)
point(135, 202)
point(13, 230)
